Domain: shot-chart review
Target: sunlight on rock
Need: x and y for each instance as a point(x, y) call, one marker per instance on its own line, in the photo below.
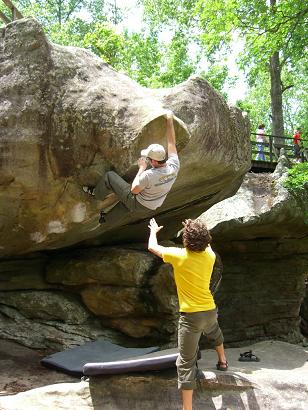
point(209, 376)
point(55, 227)
point(79, 212)
point(217, 400)
point(37, 237)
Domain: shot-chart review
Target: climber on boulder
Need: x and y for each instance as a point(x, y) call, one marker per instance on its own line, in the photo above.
point(149, 188)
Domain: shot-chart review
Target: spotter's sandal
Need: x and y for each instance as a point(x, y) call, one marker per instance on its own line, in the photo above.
point(248, 357)
point(223, 366)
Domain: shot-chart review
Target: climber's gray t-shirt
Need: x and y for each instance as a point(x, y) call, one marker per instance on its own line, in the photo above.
point(157, 182)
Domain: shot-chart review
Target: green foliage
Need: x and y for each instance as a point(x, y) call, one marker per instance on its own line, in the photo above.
point(50, 12)
point(201, 34)
point(265, 28)
point(153, 63)
point(105, 10)
point(172, 13)
point(70, 33)
point(297, 178)
point(105, 42)
point(297, 184)
point(217, 76)
point(180, 17)
point(5, 11)
point(142, 57)
point(257, 103)
point(296, 100)
point(145, 56)
point(177, 66)
point(216, 21)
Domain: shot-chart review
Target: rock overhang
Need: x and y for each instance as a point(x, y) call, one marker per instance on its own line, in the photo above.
point(76, 118)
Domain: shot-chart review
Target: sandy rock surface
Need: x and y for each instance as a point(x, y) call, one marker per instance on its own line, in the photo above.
point(278, 381)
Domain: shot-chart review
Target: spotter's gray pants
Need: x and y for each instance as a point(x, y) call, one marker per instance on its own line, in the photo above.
point(190, 328)
point(112, 182)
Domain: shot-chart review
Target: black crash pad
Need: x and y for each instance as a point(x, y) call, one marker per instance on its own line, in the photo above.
point(71, 361)
point(163, 359)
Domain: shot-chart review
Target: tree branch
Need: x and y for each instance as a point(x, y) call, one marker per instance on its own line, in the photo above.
point(288, 42)
point(73, 7)
point(283, 89)
point(296, 17)
point(277, 26)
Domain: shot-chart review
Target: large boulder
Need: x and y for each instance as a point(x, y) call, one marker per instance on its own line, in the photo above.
point(67, 117)
point(261, 235)
point(261, 208)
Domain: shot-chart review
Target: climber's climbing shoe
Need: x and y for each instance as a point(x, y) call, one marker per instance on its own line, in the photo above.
point(102, 218)
point(90, 190)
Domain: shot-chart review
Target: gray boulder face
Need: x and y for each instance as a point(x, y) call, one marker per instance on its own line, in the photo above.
point(262, 207)
point(261, 235)
point(304, 313)
point(46, 306)
point(71, 297)
point(52, 334)
point(100, 266)
point(67, 117)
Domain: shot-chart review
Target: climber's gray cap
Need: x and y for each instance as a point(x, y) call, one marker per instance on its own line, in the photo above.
point(154, 151)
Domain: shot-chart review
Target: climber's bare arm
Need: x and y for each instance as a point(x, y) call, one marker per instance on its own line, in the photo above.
point(142, 164)
point(170, 133)
point(153, 245)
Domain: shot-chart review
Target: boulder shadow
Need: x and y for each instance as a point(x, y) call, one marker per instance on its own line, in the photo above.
point(158, 390)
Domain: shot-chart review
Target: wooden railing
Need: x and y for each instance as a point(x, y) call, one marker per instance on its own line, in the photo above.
point(15, 13)
point(271, 149)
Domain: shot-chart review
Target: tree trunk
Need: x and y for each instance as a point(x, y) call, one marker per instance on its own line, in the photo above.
point(276, 98)
point(276, 91)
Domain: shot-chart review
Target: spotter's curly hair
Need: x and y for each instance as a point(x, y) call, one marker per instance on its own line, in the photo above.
point(196, 236)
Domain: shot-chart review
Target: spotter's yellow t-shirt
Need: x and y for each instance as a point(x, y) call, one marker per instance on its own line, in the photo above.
point(192, 274)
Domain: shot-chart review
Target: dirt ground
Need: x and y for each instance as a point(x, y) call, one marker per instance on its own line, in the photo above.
point(21, 369)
